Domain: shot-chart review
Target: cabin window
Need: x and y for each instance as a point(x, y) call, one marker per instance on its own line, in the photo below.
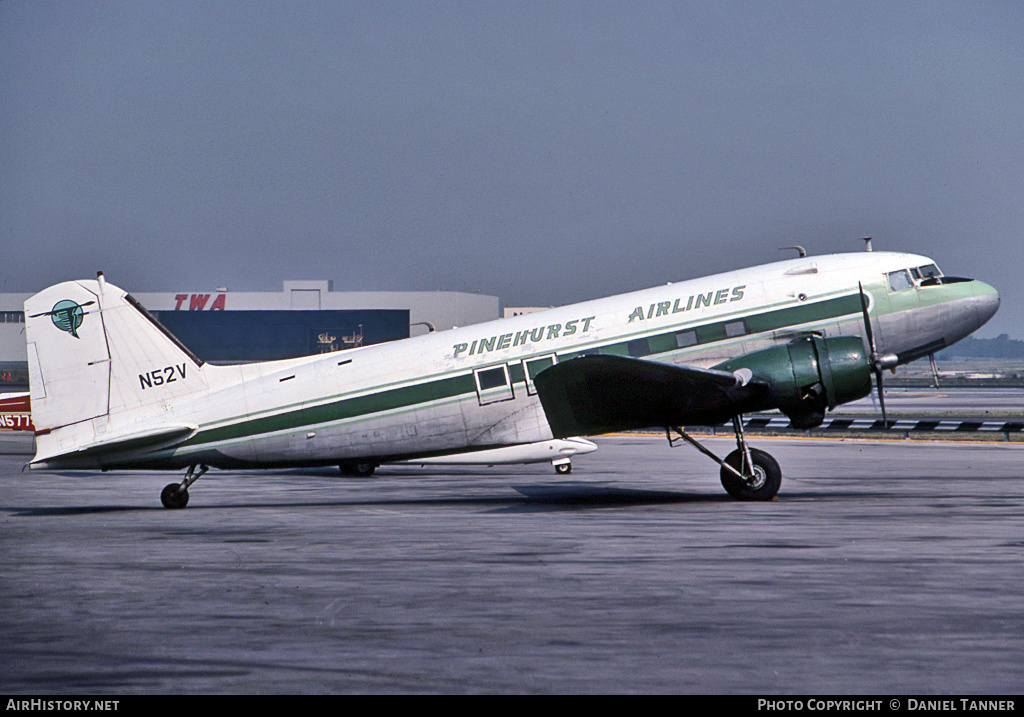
point(491, 378)
point(686, 338)
point(735, 328)
point(533, 366)
point(638, 347)
point(900, 280)
point(493, 384)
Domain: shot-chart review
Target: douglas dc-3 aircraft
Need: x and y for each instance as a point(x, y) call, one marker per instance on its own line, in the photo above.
point(112, 389)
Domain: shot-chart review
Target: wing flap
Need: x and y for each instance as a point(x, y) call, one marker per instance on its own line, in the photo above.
point(597, 394)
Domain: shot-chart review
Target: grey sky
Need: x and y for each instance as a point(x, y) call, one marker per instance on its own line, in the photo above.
point(542, 152)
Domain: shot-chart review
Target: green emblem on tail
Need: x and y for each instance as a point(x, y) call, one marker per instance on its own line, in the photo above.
point(67, 316)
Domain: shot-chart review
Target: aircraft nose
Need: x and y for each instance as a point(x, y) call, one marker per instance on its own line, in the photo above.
point(971, 304)
point(988, 302)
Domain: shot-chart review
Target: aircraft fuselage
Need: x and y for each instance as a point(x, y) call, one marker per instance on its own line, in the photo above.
point(471, 388)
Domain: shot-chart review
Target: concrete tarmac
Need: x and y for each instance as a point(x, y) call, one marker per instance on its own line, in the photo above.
point(883, 568)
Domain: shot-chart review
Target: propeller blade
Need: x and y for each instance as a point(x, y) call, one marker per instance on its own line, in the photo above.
point(876, 365)
point(867, 320)
point(881, 396)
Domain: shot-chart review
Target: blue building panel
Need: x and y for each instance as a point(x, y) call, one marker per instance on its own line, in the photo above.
point(242, 336)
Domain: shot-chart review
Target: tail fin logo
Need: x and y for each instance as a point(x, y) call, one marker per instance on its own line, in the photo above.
point(67, 316)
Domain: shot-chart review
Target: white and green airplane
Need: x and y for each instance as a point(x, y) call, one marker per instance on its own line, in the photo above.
point(112, 389)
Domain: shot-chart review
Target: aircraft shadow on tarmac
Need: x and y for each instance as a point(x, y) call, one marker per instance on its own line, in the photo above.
point(572, 496)
point(539, 496)
point(536, 497)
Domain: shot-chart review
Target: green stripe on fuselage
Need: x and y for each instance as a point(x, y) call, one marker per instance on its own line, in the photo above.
point(378, 402)
point(464, 386)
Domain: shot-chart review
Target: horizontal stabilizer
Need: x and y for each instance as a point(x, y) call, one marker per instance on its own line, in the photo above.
point(591, 395)
point(150, 438)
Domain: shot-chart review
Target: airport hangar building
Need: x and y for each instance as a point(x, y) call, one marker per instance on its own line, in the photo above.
point(305, 318)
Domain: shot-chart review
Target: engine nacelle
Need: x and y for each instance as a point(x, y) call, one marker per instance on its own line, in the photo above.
point(808, 375)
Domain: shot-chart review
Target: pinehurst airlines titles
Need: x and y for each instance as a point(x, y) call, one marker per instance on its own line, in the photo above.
point(582, 325)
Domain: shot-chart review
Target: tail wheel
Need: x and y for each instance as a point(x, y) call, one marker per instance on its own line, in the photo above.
point(763, 479)
point(173, 496)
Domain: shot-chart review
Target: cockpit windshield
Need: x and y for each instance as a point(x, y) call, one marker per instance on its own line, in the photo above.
point(900, 280)
point(927, 275)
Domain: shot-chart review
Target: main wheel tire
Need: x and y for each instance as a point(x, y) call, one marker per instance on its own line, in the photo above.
point(172, 497)
point(767, 476)
point(361, 470)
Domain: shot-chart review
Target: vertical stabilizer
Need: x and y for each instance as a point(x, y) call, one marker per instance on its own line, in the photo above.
point(95, 355)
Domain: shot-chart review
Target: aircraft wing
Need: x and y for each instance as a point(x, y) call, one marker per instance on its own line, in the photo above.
point(596, 394)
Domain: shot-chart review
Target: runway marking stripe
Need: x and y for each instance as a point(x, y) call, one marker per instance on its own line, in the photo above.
point(861, 424)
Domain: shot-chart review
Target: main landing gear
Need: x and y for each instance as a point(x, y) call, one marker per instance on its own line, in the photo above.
point(359, 470)
point(175, 495)
point(747, 473)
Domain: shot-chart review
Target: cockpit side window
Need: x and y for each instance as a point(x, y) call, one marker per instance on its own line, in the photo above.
point(900, 280)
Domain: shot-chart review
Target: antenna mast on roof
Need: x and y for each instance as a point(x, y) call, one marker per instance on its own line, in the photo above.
point(867, 243)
